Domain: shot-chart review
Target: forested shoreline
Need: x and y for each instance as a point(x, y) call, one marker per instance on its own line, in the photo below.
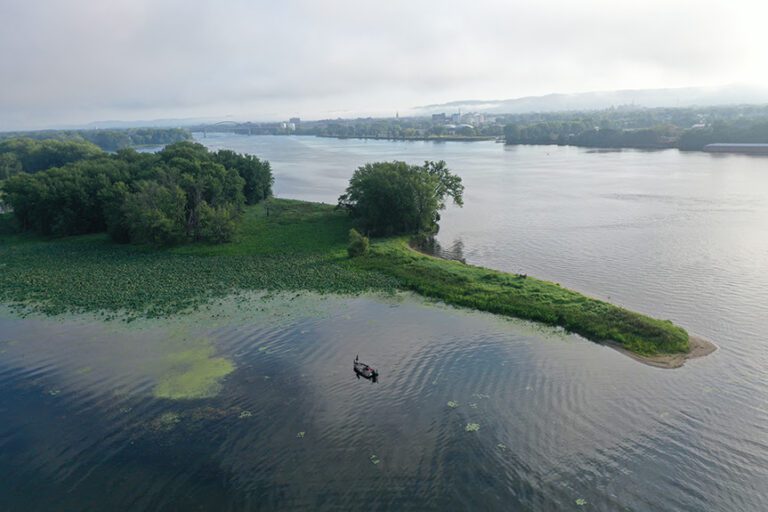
point(181, 194)
point(108, 139)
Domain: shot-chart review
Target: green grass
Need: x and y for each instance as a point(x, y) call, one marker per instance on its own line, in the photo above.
point(523, 297)
point(291, 246)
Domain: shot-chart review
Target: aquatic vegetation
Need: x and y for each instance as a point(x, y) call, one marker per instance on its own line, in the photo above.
point(299, 246)
point(480, 396)
point(472, 427)
point(581, 502)
point(192, 374)
point(453, 404)
point(245, 414)
point(300, 435)
point(54, 392)
point(165, 422)
point(473, 405)
point(501, 446)
point(374, 459)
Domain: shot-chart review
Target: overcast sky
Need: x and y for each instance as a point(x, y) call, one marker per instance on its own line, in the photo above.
point(76, 61)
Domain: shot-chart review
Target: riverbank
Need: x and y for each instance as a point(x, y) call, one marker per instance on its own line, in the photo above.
point(294, 246)
point(431, 138)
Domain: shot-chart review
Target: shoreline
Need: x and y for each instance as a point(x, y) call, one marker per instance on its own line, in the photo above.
point(699, 347)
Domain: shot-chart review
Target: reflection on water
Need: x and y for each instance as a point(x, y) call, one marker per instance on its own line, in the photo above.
point(471, 411)
point(430, 245)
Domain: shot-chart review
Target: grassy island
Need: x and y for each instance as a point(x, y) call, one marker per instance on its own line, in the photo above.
point(285, 245)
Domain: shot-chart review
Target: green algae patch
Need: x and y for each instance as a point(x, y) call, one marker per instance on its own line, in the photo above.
point(472, 427)
point(192, 374)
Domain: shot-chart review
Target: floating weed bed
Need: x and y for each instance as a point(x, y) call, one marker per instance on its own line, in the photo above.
point(300, 435)
point(300, 246)
point(374, 459)
point(191, 374)
point(472, 427)
point(453, 404)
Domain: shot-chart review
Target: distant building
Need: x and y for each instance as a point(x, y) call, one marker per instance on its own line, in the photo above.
point(456, 118)
point(439, 118)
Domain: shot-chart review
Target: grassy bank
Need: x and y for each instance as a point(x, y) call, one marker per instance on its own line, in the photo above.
point(290, 246)
point(523, 297)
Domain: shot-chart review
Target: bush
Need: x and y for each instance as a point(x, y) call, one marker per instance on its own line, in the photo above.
point(217, 224)
point(358, 244)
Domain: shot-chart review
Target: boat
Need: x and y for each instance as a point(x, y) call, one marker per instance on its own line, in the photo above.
point(364, 370)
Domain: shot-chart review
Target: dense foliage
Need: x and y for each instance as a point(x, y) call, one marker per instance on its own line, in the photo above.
point(684, 128)
point(109, 140)
point(181, 194)
point(29, 155)
point(394, 197)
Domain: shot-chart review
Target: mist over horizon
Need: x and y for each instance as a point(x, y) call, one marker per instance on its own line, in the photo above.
point(138, 60)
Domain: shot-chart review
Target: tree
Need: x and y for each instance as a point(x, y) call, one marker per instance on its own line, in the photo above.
point(155, 214)
point(391, 198)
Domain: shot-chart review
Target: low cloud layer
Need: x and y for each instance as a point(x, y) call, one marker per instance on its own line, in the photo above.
point(85, 60)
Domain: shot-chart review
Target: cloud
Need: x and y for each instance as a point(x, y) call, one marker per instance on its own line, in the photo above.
point(82, 60)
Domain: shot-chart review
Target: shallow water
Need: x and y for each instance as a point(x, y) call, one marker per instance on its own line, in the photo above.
point(681, 236)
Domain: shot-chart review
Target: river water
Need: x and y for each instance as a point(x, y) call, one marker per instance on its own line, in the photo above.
point(563, 424)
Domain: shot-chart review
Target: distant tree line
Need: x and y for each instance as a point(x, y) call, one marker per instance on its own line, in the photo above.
point(683, 128)
point(182, 194)
point(109, 140)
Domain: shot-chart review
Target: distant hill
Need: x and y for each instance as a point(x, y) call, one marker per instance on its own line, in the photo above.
point(679, 97)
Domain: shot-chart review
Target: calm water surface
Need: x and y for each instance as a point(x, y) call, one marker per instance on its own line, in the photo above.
point(679, 236)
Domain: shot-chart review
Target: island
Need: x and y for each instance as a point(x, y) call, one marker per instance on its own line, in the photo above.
point(165, 233)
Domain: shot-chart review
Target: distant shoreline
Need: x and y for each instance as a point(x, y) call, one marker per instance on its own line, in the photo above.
point(450, 138)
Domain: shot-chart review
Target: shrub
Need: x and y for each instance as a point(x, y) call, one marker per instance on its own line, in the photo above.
point(358, 244)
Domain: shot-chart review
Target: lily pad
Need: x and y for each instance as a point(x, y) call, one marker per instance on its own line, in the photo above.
point(375, 459)
point(453, 404)
point(472, 427)
point(581, 502)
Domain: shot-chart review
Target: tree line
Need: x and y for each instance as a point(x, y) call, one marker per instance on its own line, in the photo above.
point(683, 128)
point(181, 194)
point(109, 140)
